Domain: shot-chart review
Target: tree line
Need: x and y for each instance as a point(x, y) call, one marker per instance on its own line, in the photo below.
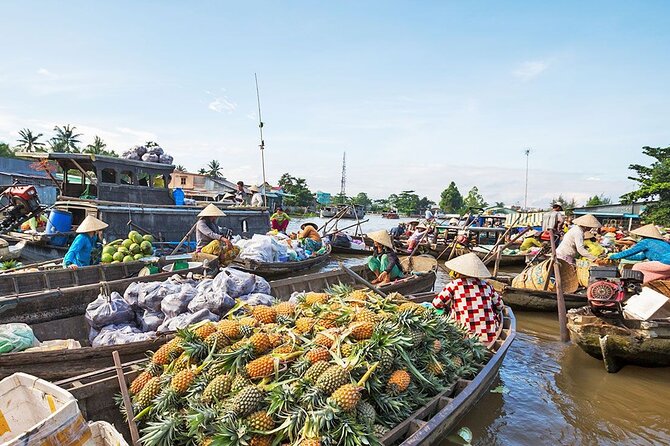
point(64, 140)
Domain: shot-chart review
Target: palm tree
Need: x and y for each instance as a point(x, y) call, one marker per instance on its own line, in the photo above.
point(214, 169)
point(97, 148)
point(66, 139)
point(29, 142)
point(180, 168)
point(202, 171)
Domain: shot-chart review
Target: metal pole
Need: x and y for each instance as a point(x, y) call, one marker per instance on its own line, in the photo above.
point(262, 145)
point(525, 197)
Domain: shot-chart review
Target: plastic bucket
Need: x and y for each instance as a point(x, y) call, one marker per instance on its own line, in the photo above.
point(59, 221)
point(178, 196)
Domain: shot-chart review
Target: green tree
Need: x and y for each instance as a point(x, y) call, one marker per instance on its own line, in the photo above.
point(297, 187)
point(451, 200)
point(180, 168)
point(29, 142)
point(424, 204)
point(499, 204)
point(598, 200)
point(202, 171)
point(407, 202)
point(65, 140)
point(380, 205)
point(653, 184)
point(362, 199)
point(567, 206)
point(474, 199)
point(213, 169)
point(6, 151)
point(98, 148)
point(340, 199)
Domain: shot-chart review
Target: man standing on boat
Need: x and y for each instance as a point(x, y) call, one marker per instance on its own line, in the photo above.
point(80, 250)
point(240, 194)
point(207, 230)
point(553, 220)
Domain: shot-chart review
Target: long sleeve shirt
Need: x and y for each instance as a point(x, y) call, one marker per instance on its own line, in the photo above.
point(257, 200)
point(552, 220)
point(528, 243)
point(205, 232)
point(573, 244)
point(646, 249)
point(80, 250)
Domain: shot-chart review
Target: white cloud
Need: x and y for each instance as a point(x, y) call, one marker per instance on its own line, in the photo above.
point(46, 73)
point(222, 104)
point(530, 69)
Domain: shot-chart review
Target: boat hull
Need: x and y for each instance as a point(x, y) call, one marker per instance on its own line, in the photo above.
point(273, 270)
point(622, 342)
point(534, 300)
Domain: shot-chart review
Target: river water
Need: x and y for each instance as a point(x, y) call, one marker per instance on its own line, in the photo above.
point(555, 394)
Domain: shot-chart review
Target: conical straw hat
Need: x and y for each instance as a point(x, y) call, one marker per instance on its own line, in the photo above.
point(254, 189)
point(588, 221)
point(211, 211)
point(381, 237)
point(91, 224)
point(469, 265)
point(650, 231)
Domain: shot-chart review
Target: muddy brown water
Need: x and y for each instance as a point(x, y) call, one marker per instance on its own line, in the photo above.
point(555, 394)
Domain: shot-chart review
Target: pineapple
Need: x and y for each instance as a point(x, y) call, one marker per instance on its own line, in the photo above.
point(312, 298)
point(285, 309)
point(217, 341)
point(231, 329)
point(317, 354)
point(346, 397)
point(265, 315)
point(361, 330)
point(154, 369)
point(275, 339)
point(333, 378)
point(260, 421)
point(150, 391)
point(365, 315)
point(358, 295)
point(411, 307)
point(205, 330)
point(379, 431)
point(437, 346)
point(218, 388)
point(435, 368)
point(398, 382)
point(260, 440)
point(182, 381)
point(162, 355)
point(283, 349)
point(139, 382)
point(309, 442)
point(239, 383)
point(247, 400)
point(366, 413)
point(260, 343)
point(324, 339)
point(304, 325)
point(316, 370)
point(386, 359)
point(261, 367)
point(347, 349)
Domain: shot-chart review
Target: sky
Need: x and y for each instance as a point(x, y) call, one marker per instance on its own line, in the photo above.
point(418, 94)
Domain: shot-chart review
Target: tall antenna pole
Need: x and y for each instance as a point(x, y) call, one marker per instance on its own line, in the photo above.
point(525, 198)
point(343, 184)
point(262, 145)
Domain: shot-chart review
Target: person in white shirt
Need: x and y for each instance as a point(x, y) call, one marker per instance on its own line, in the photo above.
point(554, 219)
point(573, 241)
point(256, 198)
point(429, 215)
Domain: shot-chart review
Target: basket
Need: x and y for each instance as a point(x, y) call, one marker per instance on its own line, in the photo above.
point(661, 285)
point(418, 263)
point(583, 271)
point(104, 434)
point(534, 277)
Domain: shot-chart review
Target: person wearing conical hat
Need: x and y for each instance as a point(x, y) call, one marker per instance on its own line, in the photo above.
point(530, 240)
point(384, 261)
point(572, 244)
point(206, 230)
point(417, 236)
point(79, 253)
point(653, 248)
point(472, 301)
point(256, 197)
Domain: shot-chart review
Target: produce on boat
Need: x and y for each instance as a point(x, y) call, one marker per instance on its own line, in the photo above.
point(341, 367)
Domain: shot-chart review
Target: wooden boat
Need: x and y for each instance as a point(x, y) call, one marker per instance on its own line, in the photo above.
point(363, 240)
point(427, 426)
point(271, 270)
point(617, 341)
point(483, 251)
point(535, 300)
point(10, 252)
point(391, 215)
point(347, 212)
point(59, 314)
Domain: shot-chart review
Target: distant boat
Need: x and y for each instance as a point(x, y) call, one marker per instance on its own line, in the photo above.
point(393, 215)
point(352, 212)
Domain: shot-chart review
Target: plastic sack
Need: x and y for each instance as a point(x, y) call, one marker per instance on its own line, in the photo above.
point(150, 158)
point(120, 334)
point(132, 294)
point(165, 159)
point(109, 310)
point(151, 320)
point(259, 248)
point(217, 302)
point(156, 150)
point(177, 303)
point(296, 297)
point(258, 299)
point(153, 293)
point(186, 319)
point(234, 282)
point(16, 337)
point(261, 286)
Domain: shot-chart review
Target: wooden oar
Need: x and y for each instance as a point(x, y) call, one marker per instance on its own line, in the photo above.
point(361, 280)
point(188, 234)
point(134, 433)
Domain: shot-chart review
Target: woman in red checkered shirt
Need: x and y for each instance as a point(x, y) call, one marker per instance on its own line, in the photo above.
point(473, 301)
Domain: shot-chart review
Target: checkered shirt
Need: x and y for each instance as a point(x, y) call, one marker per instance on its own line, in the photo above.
point(475, 304)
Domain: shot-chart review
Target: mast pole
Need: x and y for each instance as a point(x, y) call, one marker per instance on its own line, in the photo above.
point(262, 144)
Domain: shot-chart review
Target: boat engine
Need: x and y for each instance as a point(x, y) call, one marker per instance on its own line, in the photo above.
point(608, 289)
point(22, 203)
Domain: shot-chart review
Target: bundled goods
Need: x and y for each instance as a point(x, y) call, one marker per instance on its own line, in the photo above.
point(150, 152)
point(16, 337)
point(335, 368)
point(135, 247)
point(225, 254)
point(274, 247)
point(148, 308)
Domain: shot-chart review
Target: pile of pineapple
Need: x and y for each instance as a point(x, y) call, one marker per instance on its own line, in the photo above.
point(334, 368)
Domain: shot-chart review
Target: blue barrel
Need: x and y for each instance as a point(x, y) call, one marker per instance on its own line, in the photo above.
point(178, 196)
point(59, 221)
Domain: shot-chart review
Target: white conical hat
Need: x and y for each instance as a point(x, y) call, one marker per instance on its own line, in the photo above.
point(588, 221)
point(211, 211)
point(254, 189)
point(650, 231)
point(381, 237)
point(91, 224)
point(469, 265)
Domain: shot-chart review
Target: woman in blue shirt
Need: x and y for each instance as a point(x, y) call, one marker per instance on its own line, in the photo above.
point(79, 253)
point(653, 248)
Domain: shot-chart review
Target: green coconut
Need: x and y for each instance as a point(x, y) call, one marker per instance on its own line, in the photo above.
point(106, 258)
point(118, 256)
point(134, 248)
point(128, 259)
point(137, 238)
point(115, 261)
point(126, 243)
point(111, 250)
point(146, 247)
point(138, 256)
point(148, 237)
